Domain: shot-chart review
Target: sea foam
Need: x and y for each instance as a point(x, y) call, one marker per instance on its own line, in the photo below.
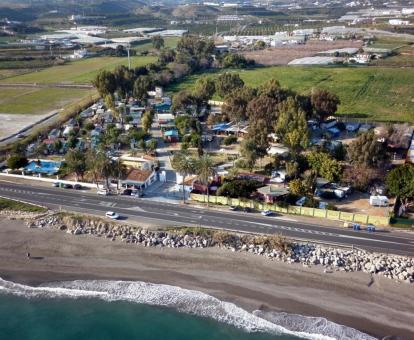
point(189, 301)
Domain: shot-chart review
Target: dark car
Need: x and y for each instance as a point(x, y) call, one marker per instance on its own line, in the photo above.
point(247, 209)
point(77, 187)
point(127, 192)
point(68, 186)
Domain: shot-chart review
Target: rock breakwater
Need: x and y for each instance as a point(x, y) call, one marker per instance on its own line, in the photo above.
point(274, 247)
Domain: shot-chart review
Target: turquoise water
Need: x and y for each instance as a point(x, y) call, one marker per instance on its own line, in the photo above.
point(90, 318)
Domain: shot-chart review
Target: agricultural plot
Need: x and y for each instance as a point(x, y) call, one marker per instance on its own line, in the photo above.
point(77, 72)
point(372, 93)
point(38, 100)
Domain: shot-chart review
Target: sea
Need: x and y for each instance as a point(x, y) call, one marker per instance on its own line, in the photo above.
point(107, 310)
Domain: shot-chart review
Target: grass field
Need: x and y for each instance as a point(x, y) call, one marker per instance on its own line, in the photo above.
point(77, 72)
point(38, 101)
point(7, 204)
point(170, 42)
point(380, 94)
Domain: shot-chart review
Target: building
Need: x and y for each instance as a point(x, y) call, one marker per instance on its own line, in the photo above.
point(144, 163)
point(139, 179)
point(398, 22)
point(272, 193)
point(171, 136)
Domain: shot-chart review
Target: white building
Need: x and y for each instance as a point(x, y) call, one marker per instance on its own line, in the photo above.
point(398, 22)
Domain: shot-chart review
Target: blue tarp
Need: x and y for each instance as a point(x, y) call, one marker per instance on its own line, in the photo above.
point(221, 127)
point(171, 133)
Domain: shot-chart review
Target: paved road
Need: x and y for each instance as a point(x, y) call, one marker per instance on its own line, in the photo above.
point(176, 214)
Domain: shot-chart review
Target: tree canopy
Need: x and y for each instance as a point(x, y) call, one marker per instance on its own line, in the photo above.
point(367, 150)
point(400, 183)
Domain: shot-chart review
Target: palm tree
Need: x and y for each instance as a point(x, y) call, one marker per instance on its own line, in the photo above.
point(119, 171)
point(205, 170)
point(184, 164)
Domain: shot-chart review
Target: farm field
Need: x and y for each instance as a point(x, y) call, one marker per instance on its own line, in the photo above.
point(372, 93)
point(77, 72)
point(169, 42)
point(38, 100)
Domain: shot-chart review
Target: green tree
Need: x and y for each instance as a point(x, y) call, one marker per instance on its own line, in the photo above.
point(152, 145)
point(16, 161)
point(183, 163)
point(273, 90)
point(105, 83)
point(205, 169)
point(147, 120)
point(75, 161)
point(157, 42)
point(296, 187)
point(291, 125)
point(183, 100)
point(235, 103)
point(400, 183)
point(141, 87)
point(324, 165)
point(228, 82)
point(367, 150)
point(248, 151)
point(204, 88)
point(324, 103)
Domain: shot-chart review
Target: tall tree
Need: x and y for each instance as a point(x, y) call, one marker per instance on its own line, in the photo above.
point(228, 82)
point(204, 88)
point(367, 150)
point(147, 120)
point(248, 151)
point(324, 103)
point(272, 89)
point(141, 86)
point(105, 83)
point(183, 163)
point(205, 169)
point(75, 161)
point(291, 125)
point(157, 42)
point(400, 183)
point(235, 103)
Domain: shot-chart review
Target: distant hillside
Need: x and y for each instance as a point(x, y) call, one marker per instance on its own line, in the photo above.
point(194, 11)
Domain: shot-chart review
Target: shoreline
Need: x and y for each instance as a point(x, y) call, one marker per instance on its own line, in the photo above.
point(376, 306)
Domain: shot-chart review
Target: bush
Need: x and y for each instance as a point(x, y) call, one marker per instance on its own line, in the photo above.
point(230, 140)
point(16, 161)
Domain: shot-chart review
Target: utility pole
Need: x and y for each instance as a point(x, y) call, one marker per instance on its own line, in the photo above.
point(129, 57)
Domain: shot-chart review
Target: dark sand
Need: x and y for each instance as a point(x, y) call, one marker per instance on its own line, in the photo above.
point(381, 308)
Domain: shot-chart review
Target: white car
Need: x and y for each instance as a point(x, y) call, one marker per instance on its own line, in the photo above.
point(112, 215)
point(267, 213)
point(102, 192)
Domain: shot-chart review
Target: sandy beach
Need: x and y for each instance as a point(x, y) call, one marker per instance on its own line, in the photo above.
point(376, 306)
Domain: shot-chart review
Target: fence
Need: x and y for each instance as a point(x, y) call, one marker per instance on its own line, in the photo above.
point(295, 210)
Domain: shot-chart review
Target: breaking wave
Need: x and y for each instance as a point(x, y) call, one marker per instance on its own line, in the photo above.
point(191, 302)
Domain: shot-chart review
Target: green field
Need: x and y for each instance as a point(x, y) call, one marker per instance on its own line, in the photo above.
point(374, 93)
point(38, 101)
point(169, 42)
point(77, 72)
point(7, 204)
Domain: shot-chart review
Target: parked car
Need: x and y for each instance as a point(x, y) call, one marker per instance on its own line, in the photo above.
point(56, 184)
point(356, 226)
point(127, 192)
point(77, 187)
point(112, 215)
point(103, 192)
point(233, 208)
point(247, 209)
point(67, 186)
point(370, 228)
point(267, 213)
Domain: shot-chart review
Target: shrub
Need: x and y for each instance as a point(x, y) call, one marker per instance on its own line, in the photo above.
point(230, 140)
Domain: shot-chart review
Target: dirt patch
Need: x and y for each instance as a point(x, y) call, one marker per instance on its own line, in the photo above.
point(283, 55)
point(13, 123)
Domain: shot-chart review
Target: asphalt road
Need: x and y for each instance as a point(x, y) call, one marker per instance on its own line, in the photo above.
point(161, 213)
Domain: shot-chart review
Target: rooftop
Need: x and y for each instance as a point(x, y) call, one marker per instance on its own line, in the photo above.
point(139, 176)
